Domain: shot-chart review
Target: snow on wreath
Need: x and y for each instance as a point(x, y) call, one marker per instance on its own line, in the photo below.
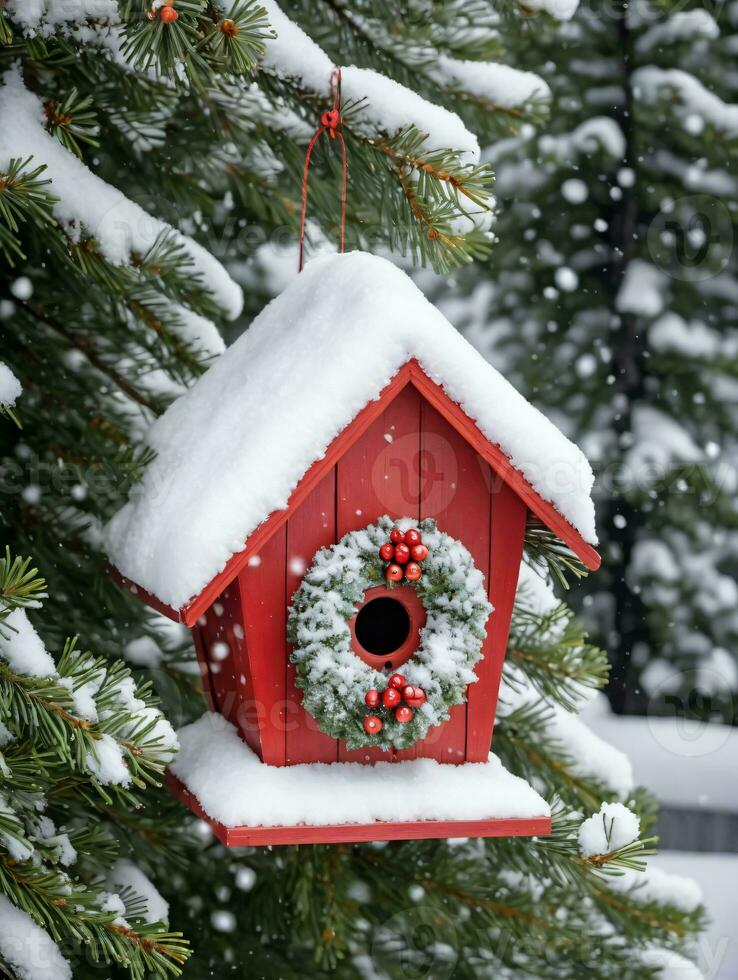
point(335, 681)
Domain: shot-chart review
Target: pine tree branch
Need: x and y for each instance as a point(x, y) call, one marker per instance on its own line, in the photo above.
point(421, 215)
point(90, 352)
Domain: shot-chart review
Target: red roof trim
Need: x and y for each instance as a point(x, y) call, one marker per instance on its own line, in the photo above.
point(410, 373)
point(192, 610)
point(148, 597)
point(500, 463)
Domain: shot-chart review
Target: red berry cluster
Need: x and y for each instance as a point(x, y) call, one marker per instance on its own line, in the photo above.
point(399, 697)
point(399, 551)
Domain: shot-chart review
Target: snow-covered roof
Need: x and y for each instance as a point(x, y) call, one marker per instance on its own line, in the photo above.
point(234, 447)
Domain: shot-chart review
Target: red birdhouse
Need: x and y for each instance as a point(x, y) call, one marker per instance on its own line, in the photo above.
point(337, 510)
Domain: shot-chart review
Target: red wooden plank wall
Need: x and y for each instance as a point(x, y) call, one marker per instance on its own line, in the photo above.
point(507, 535)
point(311, 527)
point(409, 462)
point(380, 475)
point(220, 639)
point(264, 606)
point(454, 491)
point(203, 662)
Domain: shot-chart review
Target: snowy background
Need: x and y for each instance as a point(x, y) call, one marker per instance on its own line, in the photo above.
point(609, 302)
point(693, 768)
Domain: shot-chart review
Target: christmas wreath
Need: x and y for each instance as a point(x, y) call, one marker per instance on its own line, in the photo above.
point(350, 699)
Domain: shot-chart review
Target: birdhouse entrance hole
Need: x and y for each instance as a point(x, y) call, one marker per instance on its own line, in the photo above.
point(382, 626)
point(386, 629)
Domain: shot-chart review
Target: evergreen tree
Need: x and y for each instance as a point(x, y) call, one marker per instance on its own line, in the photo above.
point(79, 741)
point(612, 304)
point(137, 149)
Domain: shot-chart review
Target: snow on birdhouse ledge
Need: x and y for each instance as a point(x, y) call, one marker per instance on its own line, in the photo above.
point(232, 450)
point(249, 803)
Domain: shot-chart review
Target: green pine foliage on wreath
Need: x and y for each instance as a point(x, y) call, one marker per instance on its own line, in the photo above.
point(334, 680)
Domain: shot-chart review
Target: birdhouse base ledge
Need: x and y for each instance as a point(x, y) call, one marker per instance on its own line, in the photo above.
point(249, 803)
